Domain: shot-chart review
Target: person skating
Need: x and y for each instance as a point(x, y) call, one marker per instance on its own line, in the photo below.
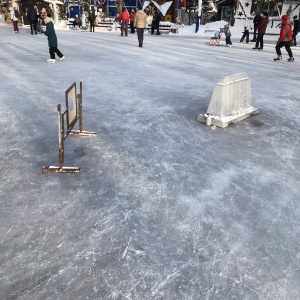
point(132, 15)
point(256, 21)
point(52, 41)
point(16, 20)
point(124, 20)
point(261, 29)
point(140, 21)
point(38, 18)
point(285, 38)
point(227, 36)
point(296, 29)
point(32, 18)
point(247, 28)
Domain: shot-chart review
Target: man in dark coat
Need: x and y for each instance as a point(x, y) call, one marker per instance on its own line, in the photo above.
point(91, 19)
point(32, 18)
point(295, 29)
point(155, 22)
point(256, 21)
point(52, 41)
point(261, 29)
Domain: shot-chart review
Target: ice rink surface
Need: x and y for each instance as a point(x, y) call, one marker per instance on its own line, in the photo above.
point(165, 207)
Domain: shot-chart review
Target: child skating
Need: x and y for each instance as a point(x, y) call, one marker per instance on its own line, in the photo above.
point(227, 36)
point(52, 41)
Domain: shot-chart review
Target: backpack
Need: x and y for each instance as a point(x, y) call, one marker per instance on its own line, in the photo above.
point(17, 14)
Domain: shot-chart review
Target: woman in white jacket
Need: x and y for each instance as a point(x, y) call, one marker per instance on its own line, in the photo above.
point(247, 28)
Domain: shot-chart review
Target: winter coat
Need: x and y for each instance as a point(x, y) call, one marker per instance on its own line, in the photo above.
point(247, 24)
point(296, 26)
point(14, 17)
point(31, 14)
point(50, 33)
point(156, 20)
point(227, 31)
point(132, 15)
point(140, 19)
point(262, 25)
point(124, 16)
point(11, 13)
point(91, 17)
point(285, 30)
point(256, 20)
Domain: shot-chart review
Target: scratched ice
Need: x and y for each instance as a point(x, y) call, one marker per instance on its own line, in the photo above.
point(164, 208)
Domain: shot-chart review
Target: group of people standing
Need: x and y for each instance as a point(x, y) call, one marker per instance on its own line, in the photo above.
point(259, 28)
point(35, 18)
point(125, 19)
point(82, 22)
point(287, 36)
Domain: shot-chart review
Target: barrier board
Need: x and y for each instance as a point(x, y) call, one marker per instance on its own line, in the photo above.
point(71, 115)
point(230, 102)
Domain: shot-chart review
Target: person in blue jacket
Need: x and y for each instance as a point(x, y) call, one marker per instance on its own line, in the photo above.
point(52, 41)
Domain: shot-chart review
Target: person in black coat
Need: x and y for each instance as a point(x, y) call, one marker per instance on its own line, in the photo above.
point(256, 21)
point(155, 22)
point(295, 29)
point(91, 19)
point(52, 41)
point(32, 18)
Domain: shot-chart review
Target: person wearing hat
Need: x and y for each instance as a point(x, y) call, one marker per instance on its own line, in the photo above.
point(285, 38)
point(52, 41)
point(261, 30)
point(140, 21)
point(295, 29)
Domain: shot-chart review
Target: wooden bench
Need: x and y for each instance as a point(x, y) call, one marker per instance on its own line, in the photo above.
point(164, 28)
point(105, 25)
point(71, 25)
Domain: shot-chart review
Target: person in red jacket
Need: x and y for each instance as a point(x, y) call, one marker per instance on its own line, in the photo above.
point(285, 38)
point(124, 19)
point(261, 30)
point(132, 15)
